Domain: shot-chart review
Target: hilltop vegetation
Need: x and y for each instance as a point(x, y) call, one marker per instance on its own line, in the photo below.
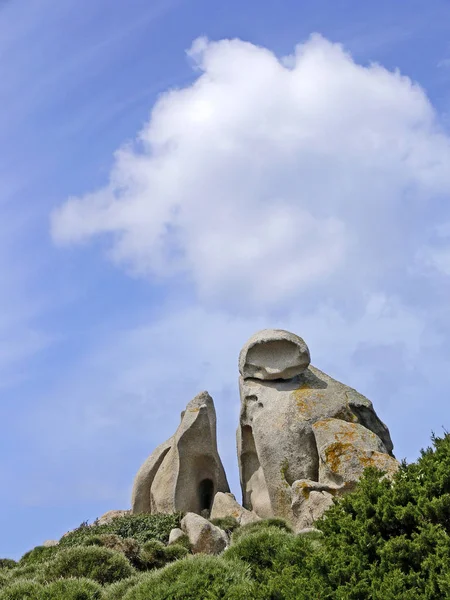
point(385, 541)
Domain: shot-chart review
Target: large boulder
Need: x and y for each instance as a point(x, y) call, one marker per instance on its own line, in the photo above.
point(203, 536)
point(280, 440)
point(185, 473)
point(346, 449)
point(226, 505)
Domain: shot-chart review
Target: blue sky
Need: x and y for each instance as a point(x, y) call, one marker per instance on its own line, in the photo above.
point(175, 176)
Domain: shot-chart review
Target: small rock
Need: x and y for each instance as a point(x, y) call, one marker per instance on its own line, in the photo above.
point(175, 535)
point(226, 505)
point(111, 515)
point(310, 500)
point(50, 543)
point(203, 535)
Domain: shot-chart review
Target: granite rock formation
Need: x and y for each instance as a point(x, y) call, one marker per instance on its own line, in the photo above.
point(303, 437)
point(185, 473)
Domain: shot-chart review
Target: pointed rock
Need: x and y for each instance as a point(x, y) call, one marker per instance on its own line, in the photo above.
point(186, 472)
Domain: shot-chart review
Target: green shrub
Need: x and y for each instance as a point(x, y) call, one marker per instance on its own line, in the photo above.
point(31, 571)
point(139, 527)
point(155, 555)
point(228, 524)
point(175, 552)
point(38, 555)
point(22, 590)
point(116, 591)
point(127, 546)
point(72, 589)
point(267, 551)
point(274, 523)
point(100, 564)
point(195, 578)
point(7, 563)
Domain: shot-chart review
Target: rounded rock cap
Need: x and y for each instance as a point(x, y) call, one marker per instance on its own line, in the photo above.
point(273, 354)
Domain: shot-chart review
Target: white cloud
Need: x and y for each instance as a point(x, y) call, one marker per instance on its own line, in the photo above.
point(267, 177)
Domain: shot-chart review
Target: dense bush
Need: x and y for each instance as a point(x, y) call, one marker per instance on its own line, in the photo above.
point(194, 578)
point(139, 527)
point(388, 540)
point(7, 563)
point(127, 546)
point(38, 555)
point(72, 589)
point(278, 524)
point(22, 590)
point(100, 564)
point(155, 554)
point(116, 591)
point(228, 524)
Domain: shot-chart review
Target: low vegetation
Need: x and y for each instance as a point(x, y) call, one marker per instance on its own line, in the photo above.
point(385, 541)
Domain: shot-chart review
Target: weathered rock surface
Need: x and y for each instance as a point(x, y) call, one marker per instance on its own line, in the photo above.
point(50, 543)
point(226, 505)
point(185, 473)
point(273, 354)
point(346, 449)
point(281, 442)
point(203, 535)
point(175, 535)
point(310, 499)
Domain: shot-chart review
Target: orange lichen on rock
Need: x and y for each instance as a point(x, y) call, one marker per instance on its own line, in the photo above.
point(337, 452)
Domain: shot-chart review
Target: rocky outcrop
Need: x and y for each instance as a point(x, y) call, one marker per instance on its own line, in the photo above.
point(185, 473)
point(226, 505)
point(203, 536)
point(299, 425)
point(303, 439)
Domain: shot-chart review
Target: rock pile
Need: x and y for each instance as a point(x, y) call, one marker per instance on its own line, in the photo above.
point(303, 437)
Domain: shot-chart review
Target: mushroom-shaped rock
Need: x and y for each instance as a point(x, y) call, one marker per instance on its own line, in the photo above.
point(278, 443)
point(273, 354)
point(226, 505)
point(203, 535)
point(186, 472)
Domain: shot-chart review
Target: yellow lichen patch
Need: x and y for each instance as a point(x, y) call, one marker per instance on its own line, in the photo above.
point(335, 453)
point(282, 501)
point(194, 410)
point(380, 461)
point(308, 400)
point(305, 490)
